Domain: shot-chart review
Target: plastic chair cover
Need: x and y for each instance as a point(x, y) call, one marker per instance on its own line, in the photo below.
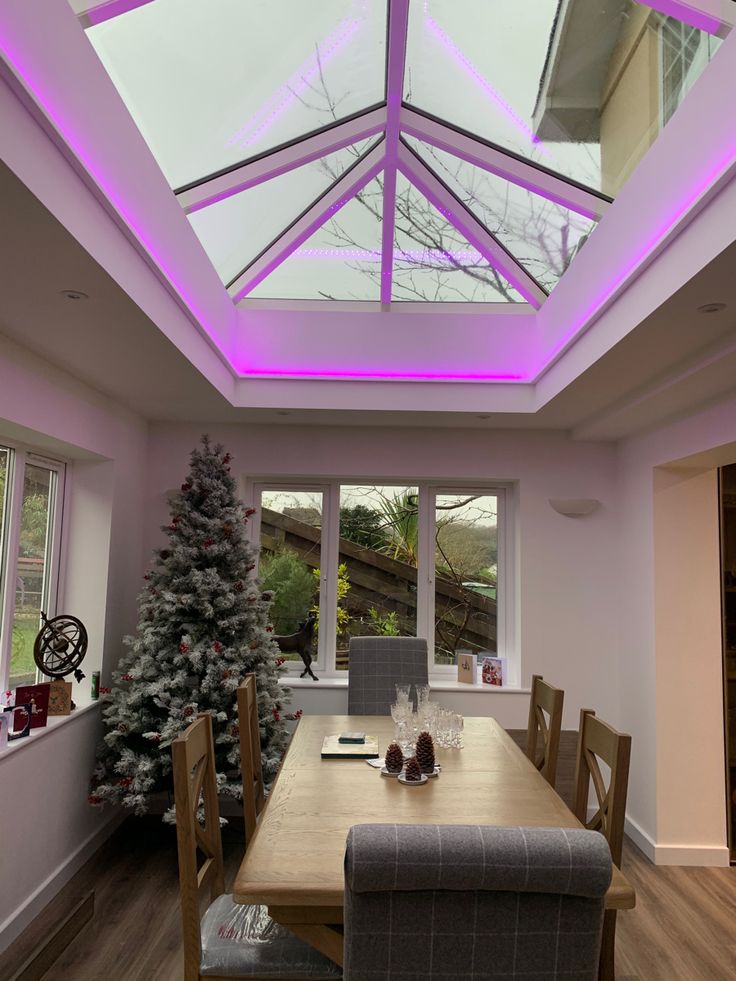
point(243, 941)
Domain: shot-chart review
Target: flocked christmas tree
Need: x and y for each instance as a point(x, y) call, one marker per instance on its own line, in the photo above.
point(203, 623)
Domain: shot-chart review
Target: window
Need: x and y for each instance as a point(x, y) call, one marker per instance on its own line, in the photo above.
point(386, 559)
point(685, 52)
point(31, 500)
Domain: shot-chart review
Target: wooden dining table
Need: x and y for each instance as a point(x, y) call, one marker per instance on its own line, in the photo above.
point(294, 864)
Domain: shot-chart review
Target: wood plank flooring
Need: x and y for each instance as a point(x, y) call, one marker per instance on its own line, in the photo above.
point(683, 927)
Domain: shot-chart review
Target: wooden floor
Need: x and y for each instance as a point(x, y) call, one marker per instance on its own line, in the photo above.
point(683, 927)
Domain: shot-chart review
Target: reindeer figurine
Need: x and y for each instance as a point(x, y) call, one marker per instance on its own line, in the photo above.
point(301, 642)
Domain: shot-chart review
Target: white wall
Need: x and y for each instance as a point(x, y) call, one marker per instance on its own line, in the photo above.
point(676, 804)
point(46, 777)
point(566, 566)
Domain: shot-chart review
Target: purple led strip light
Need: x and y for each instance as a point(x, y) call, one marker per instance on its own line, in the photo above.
point(291, 91)
point(481, 81)
point(384, 375)
point(636, 264)
point(406, 255)
point(86, 157)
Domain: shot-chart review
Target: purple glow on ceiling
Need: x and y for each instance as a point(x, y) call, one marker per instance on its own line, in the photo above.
point(402, 255)
point(381, 375)
point(87, 158)
point(481, 81)
point(293, 89)
point(645, 253)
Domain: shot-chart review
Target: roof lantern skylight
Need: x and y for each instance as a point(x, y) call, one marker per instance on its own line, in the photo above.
point(395, 150)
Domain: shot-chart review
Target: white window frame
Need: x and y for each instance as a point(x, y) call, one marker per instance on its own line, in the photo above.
point(20, 456)
point(704, 54)
point(329, 559)
point(325, 659)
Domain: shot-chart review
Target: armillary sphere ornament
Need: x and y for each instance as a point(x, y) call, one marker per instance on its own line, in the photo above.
point(60, 646)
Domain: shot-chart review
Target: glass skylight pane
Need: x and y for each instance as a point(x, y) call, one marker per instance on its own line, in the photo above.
point(235, 230)
point(341, 261)
point(582, 88)
point(210, 84)
point(434, 262)
point(543, 236)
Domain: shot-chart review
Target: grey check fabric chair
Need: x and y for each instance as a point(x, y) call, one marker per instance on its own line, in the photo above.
point(377, 665)
point(471, 903)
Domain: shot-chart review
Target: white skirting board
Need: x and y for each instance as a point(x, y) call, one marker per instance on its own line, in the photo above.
point(14, 925)
point(710, 856)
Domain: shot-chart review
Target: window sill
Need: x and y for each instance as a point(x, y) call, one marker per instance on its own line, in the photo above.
point(435, 685)
point(54, 723)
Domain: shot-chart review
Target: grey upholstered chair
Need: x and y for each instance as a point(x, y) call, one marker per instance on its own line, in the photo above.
point(377, 665)
point(467, 902)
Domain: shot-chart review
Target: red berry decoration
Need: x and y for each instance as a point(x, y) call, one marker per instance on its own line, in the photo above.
point(208, 542)
point(238, 587)
point(425, 752)
point(183, 648)
point(249, 512)
point(413, 772)
point(217, 647)
point(394, 758)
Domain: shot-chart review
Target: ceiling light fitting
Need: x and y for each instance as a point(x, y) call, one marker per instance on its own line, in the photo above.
point(74, 295)
point(712, 308)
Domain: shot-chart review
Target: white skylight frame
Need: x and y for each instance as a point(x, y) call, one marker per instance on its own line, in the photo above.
point(392, 118)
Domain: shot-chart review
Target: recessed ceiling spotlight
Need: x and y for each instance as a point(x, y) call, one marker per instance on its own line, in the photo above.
point(712, 308)
point(282, 412)
point(483, 417)
point(74, 295)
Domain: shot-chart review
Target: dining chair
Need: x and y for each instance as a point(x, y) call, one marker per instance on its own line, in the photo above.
point(251, 769)
point(230, 941)
point(377, 665)
point(461, 901)
point(599, 741)
point(543, 729)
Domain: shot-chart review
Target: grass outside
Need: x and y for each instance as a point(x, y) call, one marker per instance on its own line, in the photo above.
point(22, 665)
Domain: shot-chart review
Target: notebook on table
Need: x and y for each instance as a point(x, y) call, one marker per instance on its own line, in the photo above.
point(333, 749)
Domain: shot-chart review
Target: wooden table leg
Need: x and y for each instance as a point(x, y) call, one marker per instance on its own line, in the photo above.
point(606, 968)
point(326, 939)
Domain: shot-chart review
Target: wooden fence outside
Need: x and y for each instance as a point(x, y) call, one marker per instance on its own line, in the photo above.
point(464, 618)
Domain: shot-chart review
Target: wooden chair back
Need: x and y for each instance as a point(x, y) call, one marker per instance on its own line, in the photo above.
point(545, 723)
point(599, 741)
point(197, 828)
point(251, 769)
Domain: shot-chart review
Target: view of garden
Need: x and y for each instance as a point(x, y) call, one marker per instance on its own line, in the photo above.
point(377, 572)
point(30, 585)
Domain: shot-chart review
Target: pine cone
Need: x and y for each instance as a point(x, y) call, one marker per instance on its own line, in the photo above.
point(394, 758)
point(425, 752)
point(413, 772)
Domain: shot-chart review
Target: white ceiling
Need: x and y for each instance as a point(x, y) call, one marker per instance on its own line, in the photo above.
point(674, 361)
